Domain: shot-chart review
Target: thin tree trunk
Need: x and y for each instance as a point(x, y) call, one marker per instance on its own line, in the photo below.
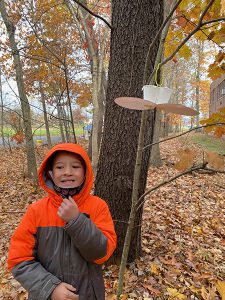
point(31, 161)
point(65, 123)
point(45, 115)
point(197, 89)
point(155, 158)
point(96, 65)
point(70, 106)
point(2, 111)
point(61, 122)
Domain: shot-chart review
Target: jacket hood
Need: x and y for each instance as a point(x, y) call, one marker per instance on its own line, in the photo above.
point(47, 184)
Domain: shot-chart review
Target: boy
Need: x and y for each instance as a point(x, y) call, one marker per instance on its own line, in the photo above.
point(58, 248)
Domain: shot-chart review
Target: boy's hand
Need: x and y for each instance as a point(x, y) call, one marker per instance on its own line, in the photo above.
point(64, 291)
point(68, 210)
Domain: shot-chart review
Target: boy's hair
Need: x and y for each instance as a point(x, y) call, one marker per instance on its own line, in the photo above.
point(51, 159)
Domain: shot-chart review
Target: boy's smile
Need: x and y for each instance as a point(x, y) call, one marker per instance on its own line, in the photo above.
point(68, 170)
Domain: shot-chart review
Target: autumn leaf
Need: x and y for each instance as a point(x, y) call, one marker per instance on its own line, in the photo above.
point(215, 161)
point(220, 285)
point(186, 159)
point(154, 269)
point(174, 294)
point(209, 294)
point(152, 289)
point(185, 52)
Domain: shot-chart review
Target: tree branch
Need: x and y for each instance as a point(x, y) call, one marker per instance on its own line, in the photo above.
point(92, 13)
point(157, 35)
point(183, 133)
point(198, 27)
point(199, 167)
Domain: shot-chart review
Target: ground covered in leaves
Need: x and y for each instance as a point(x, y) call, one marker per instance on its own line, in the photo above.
point(183, 231)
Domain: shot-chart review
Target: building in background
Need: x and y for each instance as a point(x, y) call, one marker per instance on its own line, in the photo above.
point(217, 95)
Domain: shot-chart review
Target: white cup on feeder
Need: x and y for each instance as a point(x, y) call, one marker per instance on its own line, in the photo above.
point(156, 94)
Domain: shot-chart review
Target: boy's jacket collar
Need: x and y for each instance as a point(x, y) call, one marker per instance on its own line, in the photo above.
point(46, 183)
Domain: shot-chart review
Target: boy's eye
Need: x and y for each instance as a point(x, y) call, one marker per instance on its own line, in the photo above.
point(76, 167)
point(59, 167)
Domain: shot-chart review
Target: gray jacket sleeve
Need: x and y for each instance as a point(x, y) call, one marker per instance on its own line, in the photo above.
point(35, 279)
point(87, 238)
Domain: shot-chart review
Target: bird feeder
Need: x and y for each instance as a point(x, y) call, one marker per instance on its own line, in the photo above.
point(155, 97)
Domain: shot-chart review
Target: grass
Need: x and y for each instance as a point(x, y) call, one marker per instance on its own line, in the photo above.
point(42, 132)
point(209, 142)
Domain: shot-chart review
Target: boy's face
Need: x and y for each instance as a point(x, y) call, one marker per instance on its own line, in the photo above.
point(67, 170)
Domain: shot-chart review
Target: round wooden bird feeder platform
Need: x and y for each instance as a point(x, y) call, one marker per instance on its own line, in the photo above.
point(142, 104)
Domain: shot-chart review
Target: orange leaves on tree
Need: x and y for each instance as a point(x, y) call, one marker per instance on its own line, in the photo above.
point(186, 159)
point(186, 20)
point(175, 60)
point(216, 69)
point(217, 117)
point(18, 137)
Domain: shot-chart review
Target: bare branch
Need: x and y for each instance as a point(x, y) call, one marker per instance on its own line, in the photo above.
point(164, 24)
point(156, 187)
point(92, 13)
point(183, 133)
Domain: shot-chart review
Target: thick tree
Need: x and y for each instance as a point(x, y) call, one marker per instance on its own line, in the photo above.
point(134, 25)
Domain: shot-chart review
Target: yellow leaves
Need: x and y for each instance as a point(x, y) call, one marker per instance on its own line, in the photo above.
point(215, 70)
point(200, 35)
point(186, 159)
point(220, 35)
point(209, 294)
point(220, 285)
point(185, 52)
point(198, 230)
point(154, 269)
point(217, 117)
point(175, 295)
point(220, 56)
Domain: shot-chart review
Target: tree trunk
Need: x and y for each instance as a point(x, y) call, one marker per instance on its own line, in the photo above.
point(96, 117)
point(96, 56)
point(45, 115)
point(135, 24)
point(59, 110)
point(2, 110)
point(197, 78)
point(155, 158)
point(65, 123)
point(31, 160)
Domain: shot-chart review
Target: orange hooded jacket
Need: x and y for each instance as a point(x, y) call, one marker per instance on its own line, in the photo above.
point(45, 251)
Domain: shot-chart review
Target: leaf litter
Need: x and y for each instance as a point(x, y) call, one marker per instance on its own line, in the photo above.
point(183, 233)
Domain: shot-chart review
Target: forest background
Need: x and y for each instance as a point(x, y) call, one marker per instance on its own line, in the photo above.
point(70, 60)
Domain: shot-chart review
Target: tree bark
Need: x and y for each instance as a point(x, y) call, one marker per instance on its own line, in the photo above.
point(31, 160)
point(134, 26)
